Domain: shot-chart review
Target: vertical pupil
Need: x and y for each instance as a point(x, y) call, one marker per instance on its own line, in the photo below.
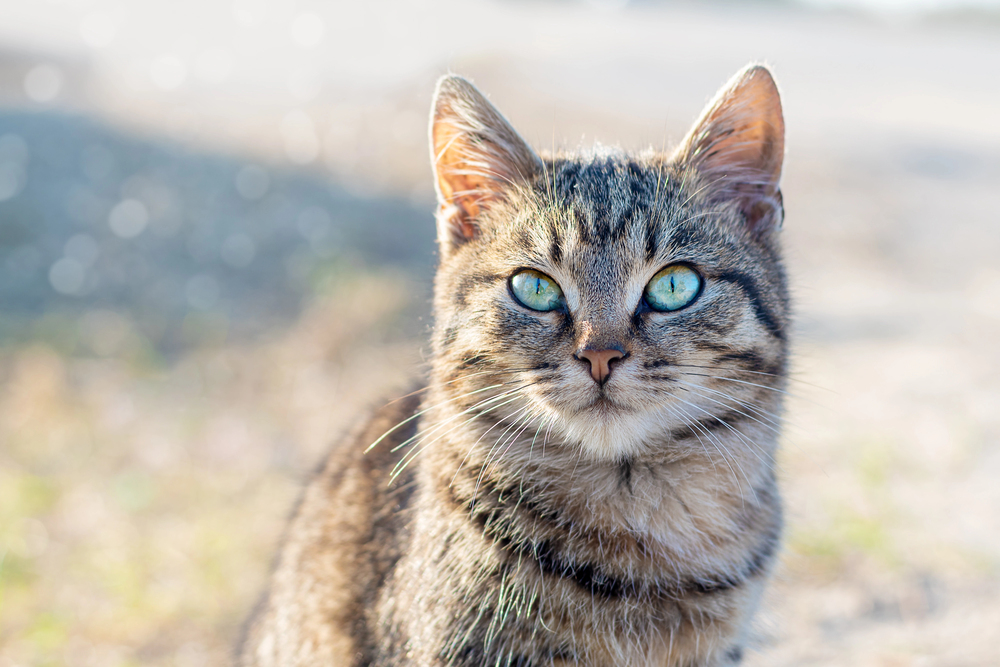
point(538, 285)
point(672, 288)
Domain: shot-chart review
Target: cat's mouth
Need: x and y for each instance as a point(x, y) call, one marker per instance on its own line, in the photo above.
point(605, 405)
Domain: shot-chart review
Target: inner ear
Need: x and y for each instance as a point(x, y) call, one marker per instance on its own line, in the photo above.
point(738, 146)
point(477, 157)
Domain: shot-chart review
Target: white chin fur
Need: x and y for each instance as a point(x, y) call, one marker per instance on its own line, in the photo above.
point(610, 435)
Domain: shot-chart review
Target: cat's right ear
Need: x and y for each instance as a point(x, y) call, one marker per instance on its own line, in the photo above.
point(477, 156)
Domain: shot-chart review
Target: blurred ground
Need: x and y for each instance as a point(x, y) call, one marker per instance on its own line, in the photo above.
point(216, 247)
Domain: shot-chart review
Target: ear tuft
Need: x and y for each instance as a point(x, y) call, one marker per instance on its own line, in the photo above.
point(476, 155)
point(738, 145)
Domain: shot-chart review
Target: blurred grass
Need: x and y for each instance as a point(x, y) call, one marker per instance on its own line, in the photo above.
point(140, 503)
point(155, 435)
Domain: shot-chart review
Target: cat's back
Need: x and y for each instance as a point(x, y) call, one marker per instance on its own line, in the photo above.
point(348, 531)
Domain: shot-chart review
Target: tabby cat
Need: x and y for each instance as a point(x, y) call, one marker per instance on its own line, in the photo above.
point(588, 476)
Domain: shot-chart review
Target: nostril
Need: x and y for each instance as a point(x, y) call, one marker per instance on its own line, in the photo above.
point(619, 357)
point(600, 361)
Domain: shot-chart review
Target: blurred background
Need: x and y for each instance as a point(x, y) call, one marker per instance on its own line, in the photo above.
point(216, 246)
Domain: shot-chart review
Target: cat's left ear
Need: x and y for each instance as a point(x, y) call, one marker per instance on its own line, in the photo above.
point(738, 145)
point(477, 156)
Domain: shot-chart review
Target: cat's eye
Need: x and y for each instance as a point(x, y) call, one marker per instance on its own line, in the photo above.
point(673, 288)
point(536, 291)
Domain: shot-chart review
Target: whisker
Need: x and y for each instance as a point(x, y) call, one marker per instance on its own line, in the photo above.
point(752, 384)
point(458, 379)
point(412, 455)
point(531, 448)
point(505, 442)
point(771, 425)
point(424, 433)
point(421, 412)
point(685, 419)
point(727, 368)
point(489, 456)
point(752, 446)
point(788, 377)
point(470, 450)
point(719, 447)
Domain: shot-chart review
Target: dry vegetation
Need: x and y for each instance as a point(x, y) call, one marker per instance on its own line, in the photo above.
point(139, 506)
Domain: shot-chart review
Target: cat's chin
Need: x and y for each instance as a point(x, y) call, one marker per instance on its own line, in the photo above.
point(606, 430)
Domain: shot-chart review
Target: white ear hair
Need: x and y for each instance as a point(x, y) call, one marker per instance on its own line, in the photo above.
point(476, 156)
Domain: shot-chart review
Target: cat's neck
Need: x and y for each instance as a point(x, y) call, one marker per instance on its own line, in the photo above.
point(677, 497)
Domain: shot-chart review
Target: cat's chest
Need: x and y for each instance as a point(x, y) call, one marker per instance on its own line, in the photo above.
point(662, 507)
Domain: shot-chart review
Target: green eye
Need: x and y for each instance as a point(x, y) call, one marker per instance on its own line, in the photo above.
point(536, 290)
point(673, 288)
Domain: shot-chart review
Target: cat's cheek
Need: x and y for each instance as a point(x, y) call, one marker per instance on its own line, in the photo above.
point(540, 338)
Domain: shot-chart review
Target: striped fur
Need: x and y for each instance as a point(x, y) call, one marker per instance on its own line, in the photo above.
point(519, 513)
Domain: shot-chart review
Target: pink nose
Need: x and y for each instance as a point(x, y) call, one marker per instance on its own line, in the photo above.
point(600, 362)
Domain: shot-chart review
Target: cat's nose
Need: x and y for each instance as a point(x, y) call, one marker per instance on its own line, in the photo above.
point(600, 361)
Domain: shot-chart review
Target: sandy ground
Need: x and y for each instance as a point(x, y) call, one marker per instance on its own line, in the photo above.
point(140, 501)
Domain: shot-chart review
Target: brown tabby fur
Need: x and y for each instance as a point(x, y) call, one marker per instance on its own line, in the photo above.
point(518, 512)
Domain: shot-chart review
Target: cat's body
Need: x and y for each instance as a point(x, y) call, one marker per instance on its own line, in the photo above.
point(587, 480)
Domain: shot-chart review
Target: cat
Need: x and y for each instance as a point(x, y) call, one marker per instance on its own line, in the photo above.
point(588, 477)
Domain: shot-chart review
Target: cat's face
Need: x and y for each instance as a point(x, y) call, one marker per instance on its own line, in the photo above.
point(624, 297)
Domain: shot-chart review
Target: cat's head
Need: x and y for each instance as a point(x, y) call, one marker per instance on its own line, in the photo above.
point(623, 298)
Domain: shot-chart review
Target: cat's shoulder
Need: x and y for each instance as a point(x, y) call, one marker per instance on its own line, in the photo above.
point(348, 529)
